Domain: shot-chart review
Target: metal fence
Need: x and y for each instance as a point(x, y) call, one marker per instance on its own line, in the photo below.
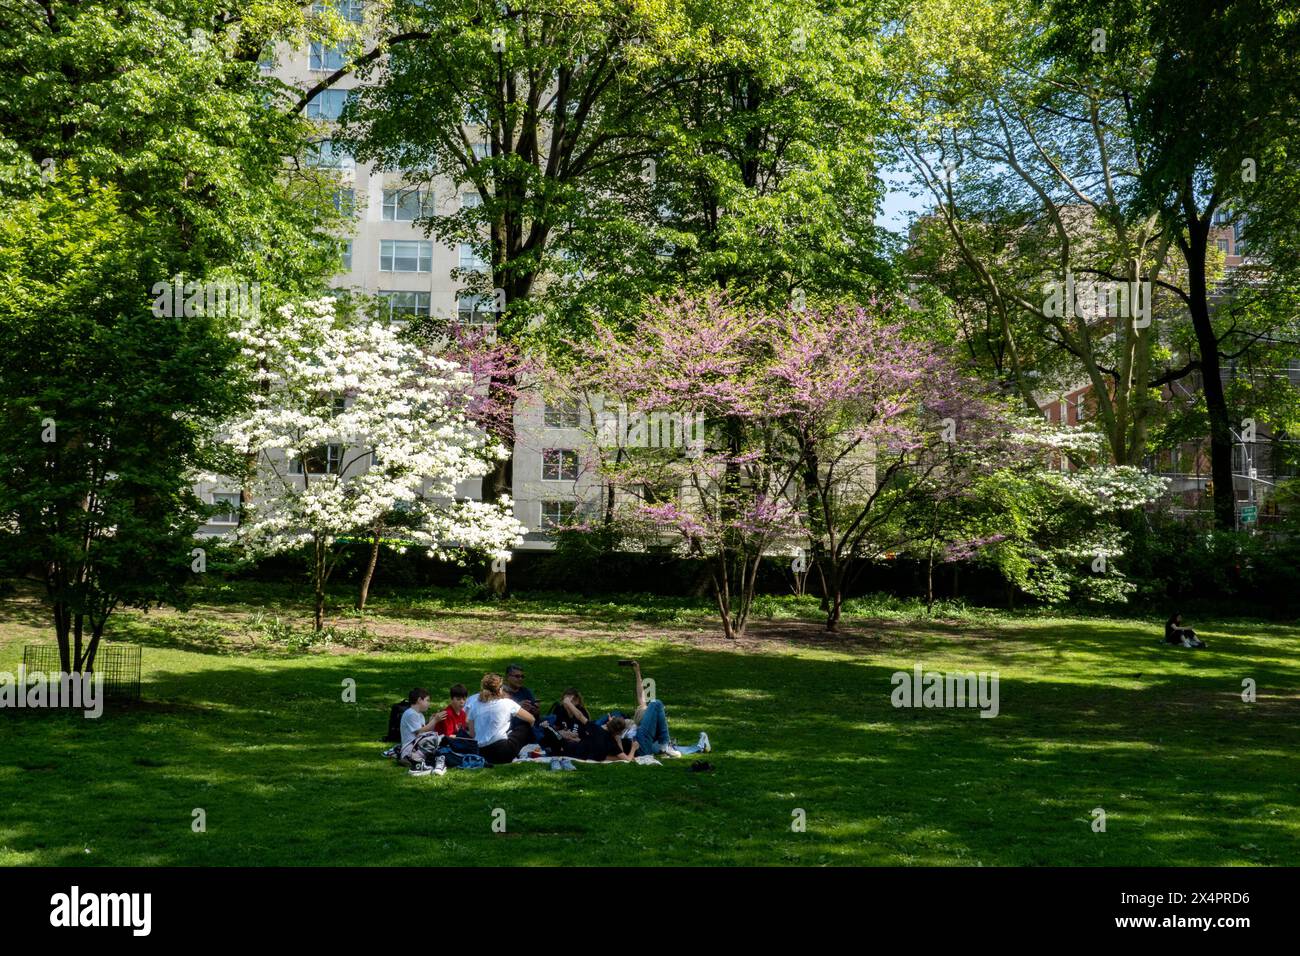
point(119, 663)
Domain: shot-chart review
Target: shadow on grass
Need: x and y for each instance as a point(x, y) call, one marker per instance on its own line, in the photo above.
point(286, 773)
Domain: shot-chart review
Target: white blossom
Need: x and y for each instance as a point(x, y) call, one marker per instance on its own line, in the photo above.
point(399, 414)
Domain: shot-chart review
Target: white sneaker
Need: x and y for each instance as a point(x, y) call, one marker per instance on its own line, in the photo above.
point(440, 766)
point(704, 744)
point(668, 750)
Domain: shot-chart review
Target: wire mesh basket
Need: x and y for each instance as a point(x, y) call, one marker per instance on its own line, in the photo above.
point(119, 663)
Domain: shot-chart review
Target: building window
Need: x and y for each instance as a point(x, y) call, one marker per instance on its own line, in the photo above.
point(328, 104)
point(1080, 408)
point(556, 514)
point(480, 151)
point(561, 414)
point(345, 201)
point(321, 460)
point(405, 255)
point(228, 502)
point(470, 200)
point(406, 205)
point(345, 256)
point(469, 259)
point(559, 464)
point(327, 56)
point(352, 10)
point(474, 309)
point(1223, 245)
point(399, 305)
point(325, 155)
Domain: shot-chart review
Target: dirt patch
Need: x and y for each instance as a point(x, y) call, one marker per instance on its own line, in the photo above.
point(226, 628)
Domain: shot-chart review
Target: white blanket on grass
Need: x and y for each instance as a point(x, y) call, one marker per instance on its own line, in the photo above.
point(532, 753)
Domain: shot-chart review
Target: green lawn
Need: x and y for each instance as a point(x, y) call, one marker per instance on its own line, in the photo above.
point(242, 721)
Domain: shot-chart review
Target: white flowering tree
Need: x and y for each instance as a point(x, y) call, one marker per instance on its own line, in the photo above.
point(1050, 520)
point(350, 424)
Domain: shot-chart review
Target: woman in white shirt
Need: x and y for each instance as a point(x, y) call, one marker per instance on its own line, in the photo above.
point(489, 722)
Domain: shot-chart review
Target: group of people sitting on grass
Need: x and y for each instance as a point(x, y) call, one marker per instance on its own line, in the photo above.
point(503, 718)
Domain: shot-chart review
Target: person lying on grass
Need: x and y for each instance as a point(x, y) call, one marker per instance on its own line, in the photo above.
point(418, 737)
point(646, 734)
point(593, 743)
point(1176, 634)
point(500, 725)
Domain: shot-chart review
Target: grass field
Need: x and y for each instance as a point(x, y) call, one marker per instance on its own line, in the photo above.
point(243, 718)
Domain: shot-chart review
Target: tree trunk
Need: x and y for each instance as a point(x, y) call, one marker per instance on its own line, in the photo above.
point(496, 486)
point(1207, 343)
point(833, 615)
point(929, 580)
point(370, 569)
point(722, 598)
point(832, 579)
point(318, 586)
point(96, 632)
point(62, 630)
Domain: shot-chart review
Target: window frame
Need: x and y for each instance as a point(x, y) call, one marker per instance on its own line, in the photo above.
point(567, 509)
point(423, 255)
point(423, 304)
point(233, 512)
point(333, 460)
point(565, 414)
point(565, 455)
point(393, 197)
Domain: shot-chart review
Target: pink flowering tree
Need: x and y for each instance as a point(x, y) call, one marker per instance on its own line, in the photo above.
point(875, 423)
point(697, 465)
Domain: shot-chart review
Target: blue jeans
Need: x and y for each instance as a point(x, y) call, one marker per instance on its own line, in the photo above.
point(652, 734)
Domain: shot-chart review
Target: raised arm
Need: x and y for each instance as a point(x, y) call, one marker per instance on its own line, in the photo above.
point(573, 710)
point(640, 685)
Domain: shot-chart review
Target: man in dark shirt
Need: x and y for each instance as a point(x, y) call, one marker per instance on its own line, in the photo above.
point(514, 689)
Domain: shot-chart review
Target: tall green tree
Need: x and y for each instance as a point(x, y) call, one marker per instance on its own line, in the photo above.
point(540, 109)
point(1032, 172)
point(106, 409)
point(143, 153)
point(1214, 89)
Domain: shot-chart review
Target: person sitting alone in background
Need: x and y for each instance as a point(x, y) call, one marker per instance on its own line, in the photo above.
point(1181, 636)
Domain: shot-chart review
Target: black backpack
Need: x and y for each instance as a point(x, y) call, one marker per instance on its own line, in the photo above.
point(395, 721)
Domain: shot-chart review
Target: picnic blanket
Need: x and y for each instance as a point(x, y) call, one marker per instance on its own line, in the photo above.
point(532, 753)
